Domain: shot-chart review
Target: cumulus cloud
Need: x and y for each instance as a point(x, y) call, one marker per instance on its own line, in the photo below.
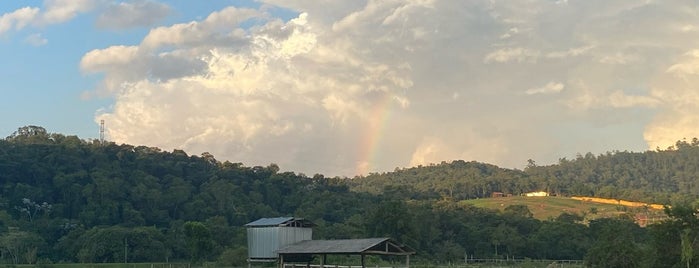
point(350, 87)
point(132, 14)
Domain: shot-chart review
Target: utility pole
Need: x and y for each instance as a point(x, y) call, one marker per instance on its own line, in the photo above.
point(126, 250)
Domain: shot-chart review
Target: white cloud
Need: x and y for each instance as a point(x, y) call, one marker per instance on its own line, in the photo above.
point(36, 40)
point(58, 11)
point(219, 28)
point(551, 87)
point(511, 54)
point(130, 14)
point(53, 12)
point(351, 87)
point(17, 19)
point(101, 60)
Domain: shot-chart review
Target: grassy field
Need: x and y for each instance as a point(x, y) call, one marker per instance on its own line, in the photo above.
point(107, 265)
point(551, 206)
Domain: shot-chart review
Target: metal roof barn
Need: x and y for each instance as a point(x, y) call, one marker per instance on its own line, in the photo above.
point(267, 235)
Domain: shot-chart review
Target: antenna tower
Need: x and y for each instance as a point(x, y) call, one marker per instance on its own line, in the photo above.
point(101, 131)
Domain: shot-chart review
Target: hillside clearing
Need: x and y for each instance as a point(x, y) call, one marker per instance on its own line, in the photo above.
point(551, 206)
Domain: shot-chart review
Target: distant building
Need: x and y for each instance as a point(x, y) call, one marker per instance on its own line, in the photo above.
point(497, 194)
point(533, 194)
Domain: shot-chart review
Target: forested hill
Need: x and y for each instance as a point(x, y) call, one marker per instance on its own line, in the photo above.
point(64, 199)
point(71, 199)
point(660, 176)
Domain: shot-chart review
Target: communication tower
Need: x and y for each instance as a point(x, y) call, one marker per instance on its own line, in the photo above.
point(101, 131)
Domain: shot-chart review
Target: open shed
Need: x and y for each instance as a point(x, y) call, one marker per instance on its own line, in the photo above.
point(304, 251)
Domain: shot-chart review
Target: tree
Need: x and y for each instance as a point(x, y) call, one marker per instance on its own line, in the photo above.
point(616, 244)
point(391, 219)
point(674, 240)
point(21, 246)
point(28, 134)
point(519, 210)
point(199, 241)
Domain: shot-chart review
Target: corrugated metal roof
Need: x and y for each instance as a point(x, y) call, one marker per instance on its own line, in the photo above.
point(281, 222)
point(346, 246)
point(269, 221)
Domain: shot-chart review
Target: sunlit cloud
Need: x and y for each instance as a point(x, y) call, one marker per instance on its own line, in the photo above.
point(352, 87)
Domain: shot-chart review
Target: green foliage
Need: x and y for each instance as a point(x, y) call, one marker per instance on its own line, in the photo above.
point(617, 244)
point(199, 241)
point(21, 246)
point(119, 244)
point(63, 199)
point(235, 257)
point(519, 210)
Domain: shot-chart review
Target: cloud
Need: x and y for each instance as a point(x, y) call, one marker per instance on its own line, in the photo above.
point(53, 12)
point(679, 117)
point(58, 11)
point(131, 14)
point(36, 40)
point(551, 87)
point(511, 54)
point(207, 32)
point(17, 19)
point(352, 87)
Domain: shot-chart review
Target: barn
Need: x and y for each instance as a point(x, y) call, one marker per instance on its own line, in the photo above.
point(288, 240)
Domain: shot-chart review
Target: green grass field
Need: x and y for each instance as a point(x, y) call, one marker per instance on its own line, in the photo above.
point(551, 206)
point(108, 265)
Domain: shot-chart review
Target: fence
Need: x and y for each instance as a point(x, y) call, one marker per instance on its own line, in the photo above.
point(470, 263)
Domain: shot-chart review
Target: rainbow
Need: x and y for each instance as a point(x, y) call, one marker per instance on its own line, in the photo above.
point(371, 136)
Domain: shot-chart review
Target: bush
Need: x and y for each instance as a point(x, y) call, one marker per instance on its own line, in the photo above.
point(233, 257)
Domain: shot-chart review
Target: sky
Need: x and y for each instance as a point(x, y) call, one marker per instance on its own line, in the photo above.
point(350, 87)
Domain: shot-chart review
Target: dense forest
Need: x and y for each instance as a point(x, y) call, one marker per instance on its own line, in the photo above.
point(64, 199)
point(661, 176)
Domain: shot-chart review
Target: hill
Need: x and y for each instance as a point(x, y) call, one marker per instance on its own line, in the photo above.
point(63, 199)
point(660, 176)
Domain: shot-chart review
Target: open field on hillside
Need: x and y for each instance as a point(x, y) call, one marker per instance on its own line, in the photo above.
point(552, 206)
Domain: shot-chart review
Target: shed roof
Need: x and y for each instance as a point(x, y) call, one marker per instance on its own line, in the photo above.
point(377, 246)
point(280, 221)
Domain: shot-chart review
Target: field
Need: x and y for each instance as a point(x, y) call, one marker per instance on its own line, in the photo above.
point(551, 206)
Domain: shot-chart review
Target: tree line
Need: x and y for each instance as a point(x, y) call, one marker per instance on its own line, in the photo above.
point(664, 176)
point(64, 199)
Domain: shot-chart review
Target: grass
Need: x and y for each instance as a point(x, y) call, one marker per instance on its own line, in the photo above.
point(551, 206)
point(104, 265)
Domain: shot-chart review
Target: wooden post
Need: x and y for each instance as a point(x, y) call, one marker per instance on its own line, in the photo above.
point(323, 260)
point(281, 261)
point(407, 261)
point(363, 266)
